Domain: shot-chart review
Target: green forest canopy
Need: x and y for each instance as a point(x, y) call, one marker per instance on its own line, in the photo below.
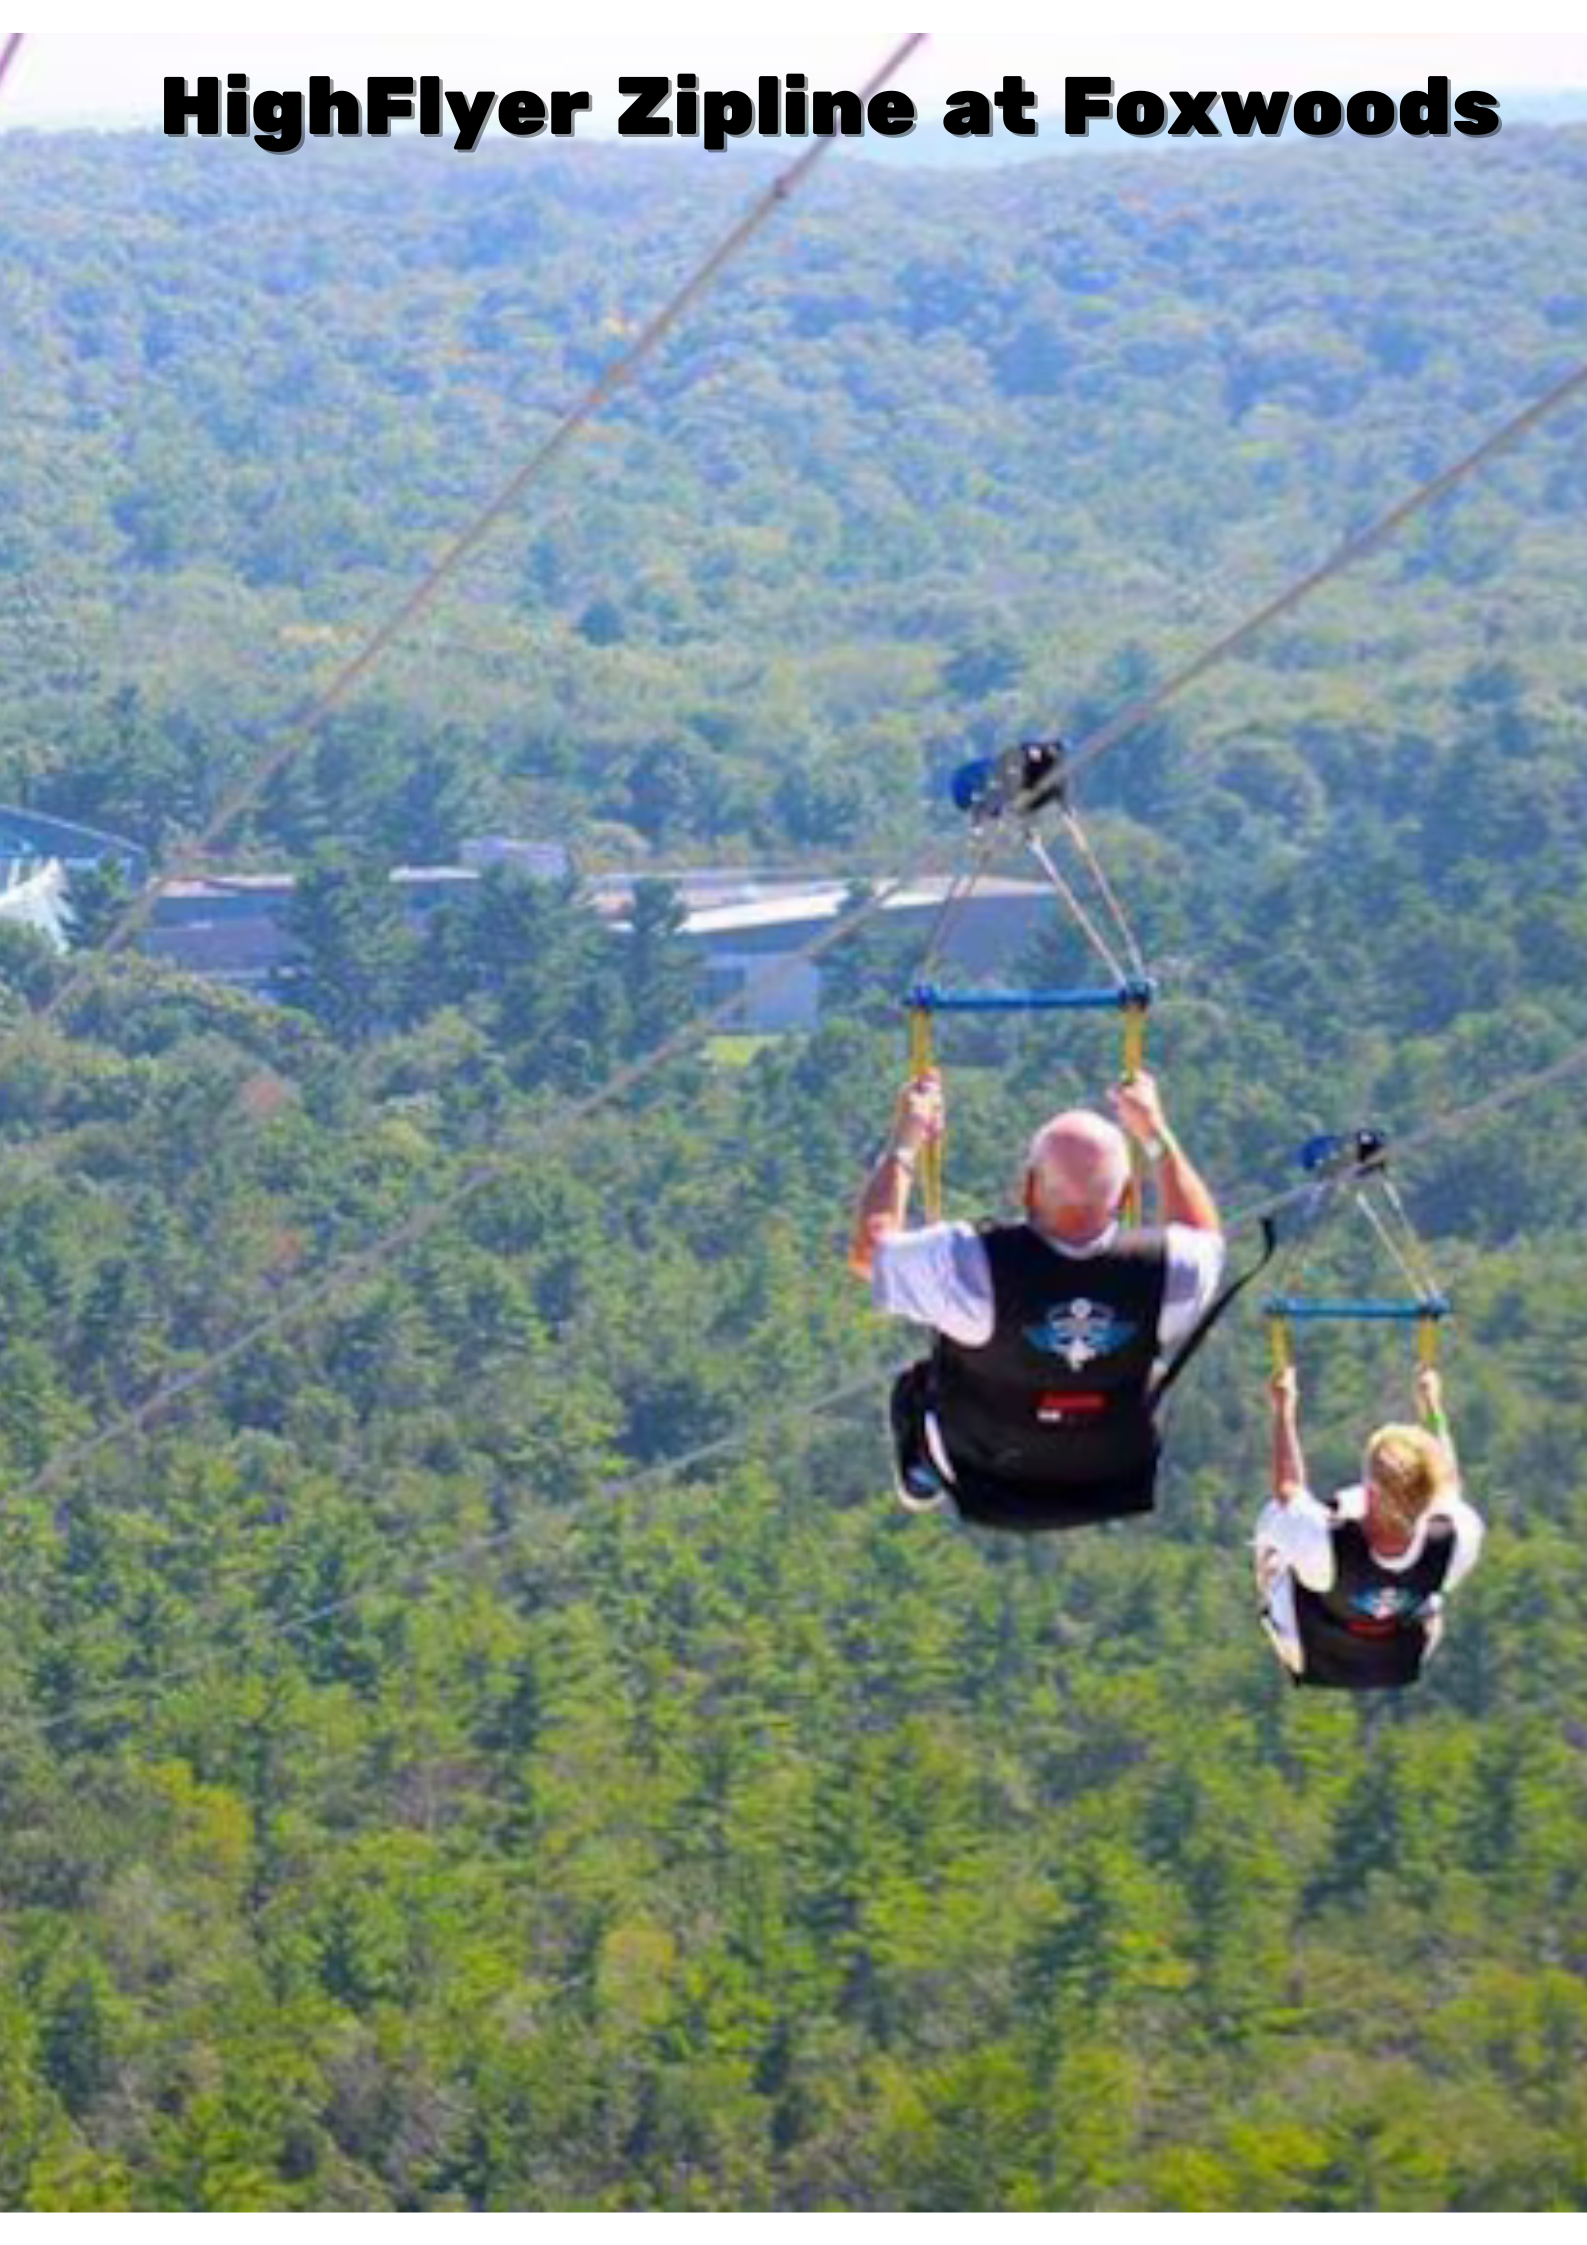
point(402, 1805)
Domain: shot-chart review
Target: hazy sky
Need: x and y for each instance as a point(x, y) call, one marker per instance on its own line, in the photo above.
point(86, 73)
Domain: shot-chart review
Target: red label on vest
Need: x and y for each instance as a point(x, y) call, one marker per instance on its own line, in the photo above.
point(1053, 1409)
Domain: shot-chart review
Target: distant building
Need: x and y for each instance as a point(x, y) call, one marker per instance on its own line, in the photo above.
point(233, 928)
point(542, 861)
point(30, 840)
point(747, 942)
point(747, 925)
point(37, 857)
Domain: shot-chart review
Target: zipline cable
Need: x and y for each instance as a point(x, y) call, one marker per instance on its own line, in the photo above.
point(321, 1293)
point(355, 1270)
point(806, 1409)
point(352, 1271)
point(323, 1289)
point(475, 1547)
point(1416, 1276)
point(1344, 556)
point(1069, 898)
point(300, 729)
point(959, 892)
point(1570, 1063)
point(1093, 863)
point(9, 52)
point(786, 1415)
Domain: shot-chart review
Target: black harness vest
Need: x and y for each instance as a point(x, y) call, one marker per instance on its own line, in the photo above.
point(1050, 1423)
point(1369, 1632)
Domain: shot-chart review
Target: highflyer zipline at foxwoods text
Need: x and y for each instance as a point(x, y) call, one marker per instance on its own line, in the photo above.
point(787, 107)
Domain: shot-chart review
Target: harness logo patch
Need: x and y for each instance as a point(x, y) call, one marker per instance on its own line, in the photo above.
point(1383, 1602)
point(1080, 1332)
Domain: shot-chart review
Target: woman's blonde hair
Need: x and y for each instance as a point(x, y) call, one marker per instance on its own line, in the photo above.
point(1408, 1467)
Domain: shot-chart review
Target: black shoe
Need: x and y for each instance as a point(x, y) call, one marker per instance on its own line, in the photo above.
point(919, 1485)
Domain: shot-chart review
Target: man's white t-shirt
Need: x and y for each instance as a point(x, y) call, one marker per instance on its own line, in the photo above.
point(940, 1276)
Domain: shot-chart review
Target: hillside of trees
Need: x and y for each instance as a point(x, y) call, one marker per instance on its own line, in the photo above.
point(486, 1738)
point(936, 451)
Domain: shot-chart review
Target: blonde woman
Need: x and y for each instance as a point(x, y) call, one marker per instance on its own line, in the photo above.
point(1353, 1589)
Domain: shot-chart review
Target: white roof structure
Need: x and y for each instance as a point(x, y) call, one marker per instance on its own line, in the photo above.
point(38, 900)
point(824, 900)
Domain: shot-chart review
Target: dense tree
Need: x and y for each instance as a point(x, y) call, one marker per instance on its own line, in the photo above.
point(351, 947)
point(659, 972)
point(414, 1795)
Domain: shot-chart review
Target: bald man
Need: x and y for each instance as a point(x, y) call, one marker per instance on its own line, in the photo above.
point(1035, 1409)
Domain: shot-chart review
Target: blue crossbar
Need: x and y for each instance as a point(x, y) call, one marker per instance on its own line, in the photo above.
point(926, 997)
point(1398, 1313)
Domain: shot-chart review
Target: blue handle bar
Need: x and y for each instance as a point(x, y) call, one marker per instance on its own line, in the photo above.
point(926, 997)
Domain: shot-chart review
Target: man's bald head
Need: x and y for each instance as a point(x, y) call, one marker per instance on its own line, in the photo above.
point(1078, 1168)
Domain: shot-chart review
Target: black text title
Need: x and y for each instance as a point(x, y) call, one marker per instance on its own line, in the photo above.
point(280, 119)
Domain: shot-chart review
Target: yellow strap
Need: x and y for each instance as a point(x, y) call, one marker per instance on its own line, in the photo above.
point(1427, 1342)
point(1134, 1039)
point(1278, 1343)
point(1134, 1061)
point(922, 1060)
